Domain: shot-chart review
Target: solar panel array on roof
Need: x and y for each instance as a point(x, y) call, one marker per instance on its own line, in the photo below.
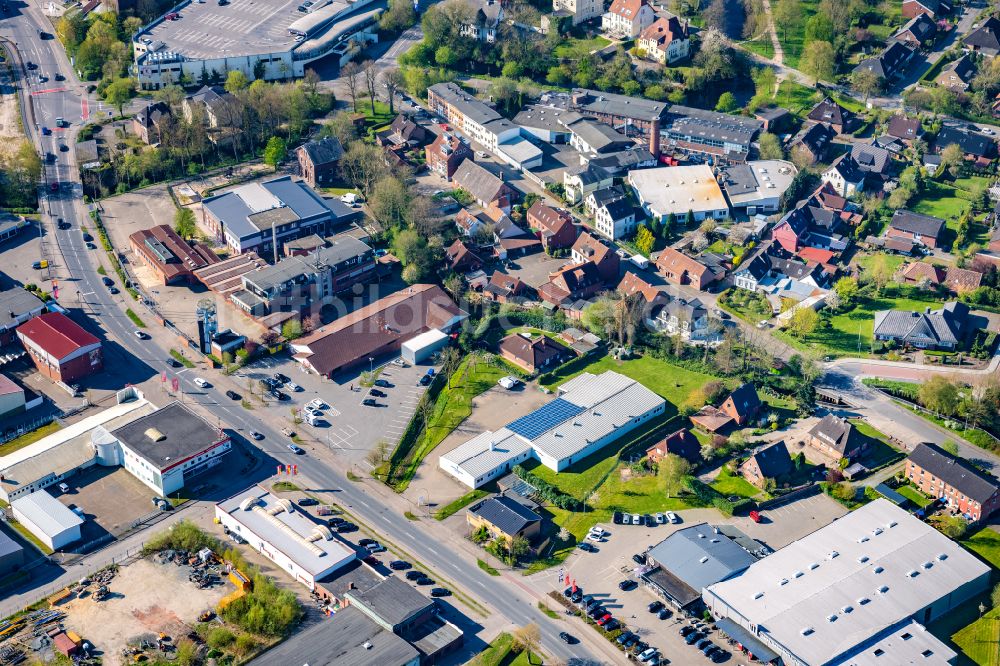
point(540, 421)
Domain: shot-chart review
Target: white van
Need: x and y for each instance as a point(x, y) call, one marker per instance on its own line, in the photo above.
point(351, 199)
point(640, 261)
point(312, 419)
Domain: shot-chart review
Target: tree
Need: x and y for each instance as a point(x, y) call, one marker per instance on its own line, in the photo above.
point(770, 147)
point(952, 527)
point(527, 638)
point(787, 16)
point(846, 289)
point(644, 240)
point(119, 92)
point(995, 596)
point(291, 329)
point(950, 446)
point(879, 272)
point(370, 71)
point(519, 547)
point(803, 322)
point(379, 453)
point(131, 25)
point(671, 472)
point(351, 76)
point(866, 83)
point(726, 103)
point(399, 16)
point(951, 158)
point(393, 81)
point(363, 165)
point(236, 82)
point(184, 223)
point(275, 151)
point(818, 61)
point(939, 395)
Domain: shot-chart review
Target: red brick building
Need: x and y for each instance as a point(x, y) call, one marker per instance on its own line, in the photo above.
point(555, 226)
point(60, 348)
point(678, 268)
point(445, 154)
point(964, 488)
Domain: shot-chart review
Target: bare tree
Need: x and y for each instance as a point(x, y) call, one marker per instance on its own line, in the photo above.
point(393, 81)
point(371, 80)
point(528, 638)
point(351, 73)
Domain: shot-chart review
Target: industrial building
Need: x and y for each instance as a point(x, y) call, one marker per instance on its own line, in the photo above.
point(591, 412)
point(274, 527)
point(264, 216)
point(757, 187)
point(268, 40)
point(171, 258)
point(419, 349)
point(854, 592)
point(677, 190)
point(48, 519)
point(11, 555)
point(60, 348)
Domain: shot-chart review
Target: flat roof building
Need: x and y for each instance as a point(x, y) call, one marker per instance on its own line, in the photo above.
point(276, 528)
point(591, 412)
point(677, 190)
point(51, 521)
point(11, 554)
point(16, 307)
point(757, 186)
point(849, 592)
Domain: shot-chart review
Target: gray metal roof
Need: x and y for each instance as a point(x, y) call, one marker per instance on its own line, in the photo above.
point(8, 546)
point(19, 302)
point(507, 515)
point(249, 209)
point(597, 101)
point(915, 223)
point(700, 556)
point(472, 108)
point(46, 513)
point(942, 326)
point(393, 601)
point(598, 135)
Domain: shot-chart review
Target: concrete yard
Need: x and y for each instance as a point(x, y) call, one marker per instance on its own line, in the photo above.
point(146, 598)
point(111, 498)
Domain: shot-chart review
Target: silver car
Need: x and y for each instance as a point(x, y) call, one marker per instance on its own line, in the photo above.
point(636, 519)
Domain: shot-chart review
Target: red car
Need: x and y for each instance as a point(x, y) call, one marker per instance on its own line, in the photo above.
point(604, 619)
point(755, 516)
point(444, 126)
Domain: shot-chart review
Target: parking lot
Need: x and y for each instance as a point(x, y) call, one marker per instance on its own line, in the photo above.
point(600, 572)
point(110, 498)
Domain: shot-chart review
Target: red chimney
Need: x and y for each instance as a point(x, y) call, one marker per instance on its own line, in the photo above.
point(654, 138)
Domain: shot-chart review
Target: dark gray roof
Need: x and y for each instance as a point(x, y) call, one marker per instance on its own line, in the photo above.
point(19, 302)
point(833, 431)
point(599, 136)
point(870, 159)
point(597, 101)
point(955, 472)
point(699, 124)
point(607, 194)
point(888, 63)
point(816, 137)
point(699, 556)
point(475, 109)
point(849, 169)
point(964, 68)
point(686, 310)
point(619, 209)
point(921, 26)
point(295, 199)
point(938, 327)
point(773, 460)
point(830, 112)
point(392, 600)
point(971, 143)
point(986, 36)
point(915, 223)
point(184, 434)
point(214, 97)
point(8, 546)
point(507, 515)
point(616, 162)
point(477, 181)
point(324, 151)
point(349, 637)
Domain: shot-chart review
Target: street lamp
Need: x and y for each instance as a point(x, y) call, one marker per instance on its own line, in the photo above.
point(371, 365)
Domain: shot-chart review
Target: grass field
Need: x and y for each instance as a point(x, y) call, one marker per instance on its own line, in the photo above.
point(792, 37)
point(914, 495)
point(459, 504)
point(986, 543)
point(892, 261)
point(795, 97)
point(573, 48)
point(762, 46)
point(28, 438)
point(729, 484)
point(980, 641)
point(880, 453)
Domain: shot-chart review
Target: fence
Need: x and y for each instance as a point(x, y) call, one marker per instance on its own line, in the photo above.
point(25, 428)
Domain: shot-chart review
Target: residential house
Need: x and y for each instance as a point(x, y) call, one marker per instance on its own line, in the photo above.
point(483, 225)
point(679, 443)
point(579, 10)
point(589, 248)
point(504, 518)
point(405, 132)
point(217, 106)
point(767, 464)
point(555, 226)
point(813, 141)
point(503, 288)
point(652, 298)
point(985, 39)
point(683, 317)
point(832, 114)
point(873, 161)
point(932, 8)
point(573, 283)
point(938, 329)
point(974, 145)
point(957, 75)
point(627, 18)
point(923, 229)
point(148, 123)
point(511, 240)
point(17, 306)
point(678, 268)
point(742, 405)
point(890, 63)
point(474, 117)
point(446, 153)
point(602, 196)
point(905, 128)
point(486, 188)
point(591, 137)
point(615, 219)
point(318, 160)
point(461, 259)
point(533, 354)
point(666, 40)
point(890, 143)
point(485, 23)
point(966, 490)
point(834, 438)
point(845, 176)
point(961, 280)
point(918, 273)
point(579, 182)
point(919, 31)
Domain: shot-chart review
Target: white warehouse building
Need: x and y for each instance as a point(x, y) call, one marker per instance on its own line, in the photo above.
point(857, 591)
point(591, 412)
point(276, 529)
point(51, 521)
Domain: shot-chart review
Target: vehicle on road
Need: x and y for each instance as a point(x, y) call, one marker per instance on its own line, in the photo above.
point(50, 157)
point(139, 334)
point(566, 638)
point(46, 131)
point(232, 395)
point(296, 450)
point(107, 281)
point(440, 592)
point(113, 291)
point(63, 148)
point(173, 363)
point(31, 65)
point(63, 224)
point(201, 382)
point(91, 246)
point(87, 238)
point(256, 435)
point(369, 402)
point(58, 77)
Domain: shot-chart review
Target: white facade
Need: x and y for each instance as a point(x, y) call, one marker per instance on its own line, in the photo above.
point(51, 521)
point(628, 24)
point(843, 187)
point(577, 188)
point(419, 349)
point(171, 479)
point(611, 228)
point(580, 10)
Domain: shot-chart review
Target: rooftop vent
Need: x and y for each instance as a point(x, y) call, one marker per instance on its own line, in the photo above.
point(831, 618)
point(813, 566)
point(912, 573)
point(927, 565)
point(807, 631)
point(833, 554)
point(863, 600)
point(892, 524)
point(154, 435)
point(758, 595)
point(799, 574)
point(878, 570)
point(704, 558)
point(863, 539)
point(783, 581)
point(884, 589)
point(863, 559)
point(877, 531)
point(942, 557)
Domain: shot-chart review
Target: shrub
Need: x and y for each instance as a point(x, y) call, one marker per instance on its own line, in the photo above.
point(220, 637)
point(549, 492)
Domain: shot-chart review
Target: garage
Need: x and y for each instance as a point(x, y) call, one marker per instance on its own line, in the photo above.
point(419, 349)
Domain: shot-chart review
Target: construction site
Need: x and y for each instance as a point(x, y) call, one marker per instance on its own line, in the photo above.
point(143, 612)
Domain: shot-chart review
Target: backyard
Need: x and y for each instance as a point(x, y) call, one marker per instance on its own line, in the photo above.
point(574, 48)
point(730, 484)
point(914, 495)
point(879, 453)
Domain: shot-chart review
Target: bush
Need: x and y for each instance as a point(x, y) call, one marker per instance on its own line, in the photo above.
point(184, 535)
point(220, 638)
point(549, 492)
point(266, 610)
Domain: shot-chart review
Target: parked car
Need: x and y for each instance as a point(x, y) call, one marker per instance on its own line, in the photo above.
point(660, 519)
point(284, 379)
point(610, 625)
point(664, 614)
point(296, 450)
point(636, 519)
point(425, 581)
point(256, 435)
point(627, 584)
point(378, 394)
point(346, 527)
point(382, 383)
point(703, 643)
point(685, 630)
point(279, 395)
point(616, 517)
point(639, 558)
point(113, 291)
point(623, 637)
point(424, 380)
point(308, 501)
point(603, 620)
point(673, 518)
point(399, 565)
point(648, 654)
point(413, 574)
point(693, 637)
point(654, 606)
point(440, 592)
point(366, 541)
point(648, 520)
point(292, 386)
point(586, 547)
point(369, 402)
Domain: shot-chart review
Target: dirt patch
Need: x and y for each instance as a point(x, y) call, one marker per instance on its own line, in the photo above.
point(11, 133)
point(145, 598)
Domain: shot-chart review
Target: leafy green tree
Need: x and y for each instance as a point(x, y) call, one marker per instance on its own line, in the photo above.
point(644, 240)
point(770, 147)
point(951, 447)
point(819, 28)
point(671, 471)
point(275, 151)
point(866, 83)
point(803, 322)
point(236, 82)
point(184, 223)
point(727, 103)
point(847, 290)
point(399, 16)
point(291, 329)
point(119, 92)
point(939, 395)
point(818, 61)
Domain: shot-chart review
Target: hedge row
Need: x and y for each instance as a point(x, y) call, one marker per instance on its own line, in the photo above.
point(549, 492)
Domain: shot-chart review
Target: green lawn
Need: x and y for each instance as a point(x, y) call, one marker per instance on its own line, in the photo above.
point(28, 438)
point(880, 453)
point(729, 484)
point(762, 46)
point(795, 97)
point(459, 504)
point(892, 261)
point(986, 543)
point(940, 200)
point(573, 48)
point(792, 37)
point(980, 641)
point(914, 495)
point(751, 307)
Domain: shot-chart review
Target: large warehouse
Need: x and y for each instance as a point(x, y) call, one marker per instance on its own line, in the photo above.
point(591, 412)
point(265, 39)
point(856, 591)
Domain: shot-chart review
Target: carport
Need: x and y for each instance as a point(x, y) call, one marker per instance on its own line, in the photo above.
point(746, 641)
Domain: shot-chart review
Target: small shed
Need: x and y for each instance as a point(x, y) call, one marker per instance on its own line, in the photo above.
point(418, 349)
point(854, 471)
point(64, 644)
